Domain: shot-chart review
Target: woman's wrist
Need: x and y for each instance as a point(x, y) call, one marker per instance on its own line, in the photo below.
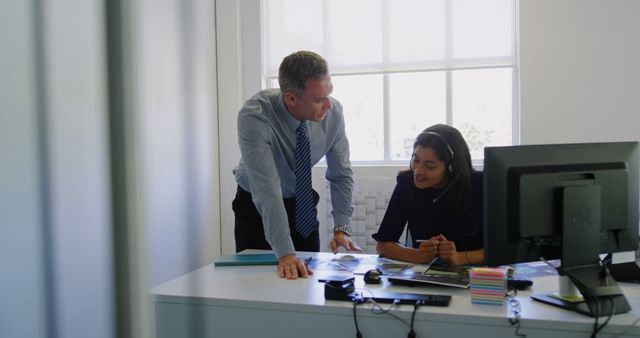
point(421, 257)
point(466, 256)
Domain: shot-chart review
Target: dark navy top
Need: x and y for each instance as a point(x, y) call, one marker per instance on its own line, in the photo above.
point(415, 208)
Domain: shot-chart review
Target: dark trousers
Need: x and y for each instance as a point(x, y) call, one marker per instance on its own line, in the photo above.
point(249, 230)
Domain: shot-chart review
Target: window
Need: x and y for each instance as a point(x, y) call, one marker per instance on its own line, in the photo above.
point(399, 66)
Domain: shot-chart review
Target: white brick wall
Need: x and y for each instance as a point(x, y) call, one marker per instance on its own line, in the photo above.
point(371, 197)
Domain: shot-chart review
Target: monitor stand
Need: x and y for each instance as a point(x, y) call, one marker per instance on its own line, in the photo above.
point(580, 264)
point(610, 299)
point(582, 307)
point(625, 272)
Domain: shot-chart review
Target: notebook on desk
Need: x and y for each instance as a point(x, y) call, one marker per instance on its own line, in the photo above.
point(419, 279)
point(454, 276)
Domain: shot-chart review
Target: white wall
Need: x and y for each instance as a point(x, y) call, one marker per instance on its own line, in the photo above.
point(239, 58)
point(579, 70)
point(174, 59)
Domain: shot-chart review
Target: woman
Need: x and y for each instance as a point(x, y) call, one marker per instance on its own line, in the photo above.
point(439, 199)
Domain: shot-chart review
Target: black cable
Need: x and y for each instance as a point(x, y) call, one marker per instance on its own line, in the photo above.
point(355, 319)
point(382, 310)
point(613, 310)
point(412, 333)
point(515, 310)
point(386, 311)
point(611, 313)
point(377, 309)
point(596, 314)
point(536, 247)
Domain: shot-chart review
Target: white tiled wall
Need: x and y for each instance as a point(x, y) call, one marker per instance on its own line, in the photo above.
point(371, 196)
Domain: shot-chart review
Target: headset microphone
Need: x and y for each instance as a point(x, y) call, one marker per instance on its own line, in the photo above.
point(437, 198)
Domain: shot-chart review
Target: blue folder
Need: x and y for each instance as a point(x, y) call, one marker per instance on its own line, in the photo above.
point(247, 259)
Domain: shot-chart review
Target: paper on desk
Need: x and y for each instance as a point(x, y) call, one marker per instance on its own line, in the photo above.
point(391, 268)
point(439, 272)
point(623, 257)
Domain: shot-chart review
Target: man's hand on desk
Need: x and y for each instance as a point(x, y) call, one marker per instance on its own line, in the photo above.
point(292, 267)
point(340, 239)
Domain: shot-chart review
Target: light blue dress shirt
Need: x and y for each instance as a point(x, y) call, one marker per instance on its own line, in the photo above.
point(267, 139)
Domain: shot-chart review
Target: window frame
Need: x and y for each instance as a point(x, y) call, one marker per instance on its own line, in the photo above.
point(448, 65)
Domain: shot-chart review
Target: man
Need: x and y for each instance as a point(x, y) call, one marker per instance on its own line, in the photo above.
point(275, 207)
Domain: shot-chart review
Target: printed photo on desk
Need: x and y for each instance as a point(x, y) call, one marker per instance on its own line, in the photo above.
point(339, 262)
point(360, 264)
point(536, 269)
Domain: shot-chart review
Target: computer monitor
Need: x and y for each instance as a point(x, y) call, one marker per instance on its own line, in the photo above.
point(571, 202)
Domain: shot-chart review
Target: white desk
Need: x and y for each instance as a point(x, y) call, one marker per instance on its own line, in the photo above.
point(254, 302)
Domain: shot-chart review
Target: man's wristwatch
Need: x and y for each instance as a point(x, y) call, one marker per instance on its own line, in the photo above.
point(346, 228)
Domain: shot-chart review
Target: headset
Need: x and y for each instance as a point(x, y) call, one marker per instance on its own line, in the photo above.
point(451, 168)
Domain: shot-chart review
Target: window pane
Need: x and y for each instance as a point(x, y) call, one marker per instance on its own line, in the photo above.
point(482, 107)
point(290, 28)
point(416, 101)
point(355, 33)
point(482, 28)
point(371, 40)
point(416, 30)
point(361, 98)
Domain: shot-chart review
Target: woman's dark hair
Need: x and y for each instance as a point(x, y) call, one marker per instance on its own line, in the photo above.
point(451, 148)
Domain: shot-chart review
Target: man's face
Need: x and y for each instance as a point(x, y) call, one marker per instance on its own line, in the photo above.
point(314, 102)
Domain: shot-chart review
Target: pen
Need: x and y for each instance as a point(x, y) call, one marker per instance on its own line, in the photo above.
point(307, 261)
point(440, 237)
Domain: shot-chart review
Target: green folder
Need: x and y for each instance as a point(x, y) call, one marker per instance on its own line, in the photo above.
point(247, 259)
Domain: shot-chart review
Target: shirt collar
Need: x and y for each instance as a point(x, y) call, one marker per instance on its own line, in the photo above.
point(290, 120)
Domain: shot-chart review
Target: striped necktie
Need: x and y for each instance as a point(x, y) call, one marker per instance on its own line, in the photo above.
point(305, 209)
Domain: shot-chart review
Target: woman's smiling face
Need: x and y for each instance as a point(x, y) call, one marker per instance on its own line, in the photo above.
point(429, 171)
